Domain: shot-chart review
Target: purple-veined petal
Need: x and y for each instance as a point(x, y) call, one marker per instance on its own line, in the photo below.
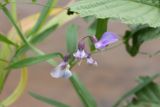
point(80, 54)
point(106, 39)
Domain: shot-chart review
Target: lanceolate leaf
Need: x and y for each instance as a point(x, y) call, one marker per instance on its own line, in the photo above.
point(39, 37)
point(43, 16)
point(6, 40)
point(136, 89)
point(71, 38)
point(138, 36)
point(129, 11)
point(33, 60)
point(148, 96)
point(101, 27)
point(50, 101)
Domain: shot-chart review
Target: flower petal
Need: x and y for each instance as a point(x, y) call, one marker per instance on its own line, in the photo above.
point(57, 74)
point(106, 39)
point(91, 61)
point(67, 73)
point(61, 74)
point(80, 54)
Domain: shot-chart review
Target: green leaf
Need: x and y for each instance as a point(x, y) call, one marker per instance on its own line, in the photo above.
point(33, 60)
point(43, 16)
point(6, 40)
point(148, 96)
point(101, 27)
point(13, 22)
point(39, 37)
point(34, 1)
point(129, 11)
point(92, 28)
point(138, 37)
point(47, 100)
point(136, 89)
point(87, 99)
point(71, 38)
point(144, 104)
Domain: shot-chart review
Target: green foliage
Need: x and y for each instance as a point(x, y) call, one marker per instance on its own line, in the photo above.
point(101, 27)
point(129, 11)
point(83, 93)
point(138, 36)
point(13, 22)
point(140, 91)
point(148, 96)
point(71, 38)
point(92, 28)
point(6, 40)
point(39, 37)
point(34, 1)
point(33, 60)
point(49, 101)
point(43, 16)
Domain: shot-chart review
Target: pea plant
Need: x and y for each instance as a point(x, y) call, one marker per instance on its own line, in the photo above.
point(141, 16)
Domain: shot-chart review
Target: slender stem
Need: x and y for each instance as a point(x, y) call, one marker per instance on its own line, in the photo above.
point(10, 17)
point(18, 91)
point(14, 9)
point(43, 16)
point(7, 13)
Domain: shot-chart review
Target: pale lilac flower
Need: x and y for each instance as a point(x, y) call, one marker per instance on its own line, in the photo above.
point(106, 39)
point(62, 71)
point(91, 61)
point(80, 53)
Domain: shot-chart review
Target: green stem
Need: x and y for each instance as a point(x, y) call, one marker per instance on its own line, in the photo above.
point(7, 13)
point(14, 9)
point(82, 92)
point(18, 91)
point(12, 20)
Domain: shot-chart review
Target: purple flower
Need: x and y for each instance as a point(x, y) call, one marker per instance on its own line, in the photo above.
point(62, 71)
point(91, 61)
point(80, 53)
point(106, 39)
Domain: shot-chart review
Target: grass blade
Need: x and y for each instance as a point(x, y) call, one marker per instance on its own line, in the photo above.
point(47, 100)
point(33, 60)
point(71, 38)
point(43, 16)
point(6, 40)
